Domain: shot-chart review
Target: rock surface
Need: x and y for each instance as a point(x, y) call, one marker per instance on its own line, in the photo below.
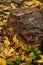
point(28, 23)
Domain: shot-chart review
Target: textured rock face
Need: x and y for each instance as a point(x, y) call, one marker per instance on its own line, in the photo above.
point(28, 22)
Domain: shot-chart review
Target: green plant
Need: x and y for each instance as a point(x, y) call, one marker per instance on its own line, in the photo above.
point(9, 62)
point(28, 63)
point(19, 59)
point(37, 51)
point(32, 55)
point(27, 48)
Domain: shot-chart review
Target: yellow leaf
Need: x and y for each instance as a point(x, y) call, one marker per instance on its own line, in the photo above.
point(6, 42)
point(1, 23)
point(2, 56)
point(29, 3)
point(41, 60)
point(41, 56)
point(14, 38)
point(2, 61)
point(8, 52)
